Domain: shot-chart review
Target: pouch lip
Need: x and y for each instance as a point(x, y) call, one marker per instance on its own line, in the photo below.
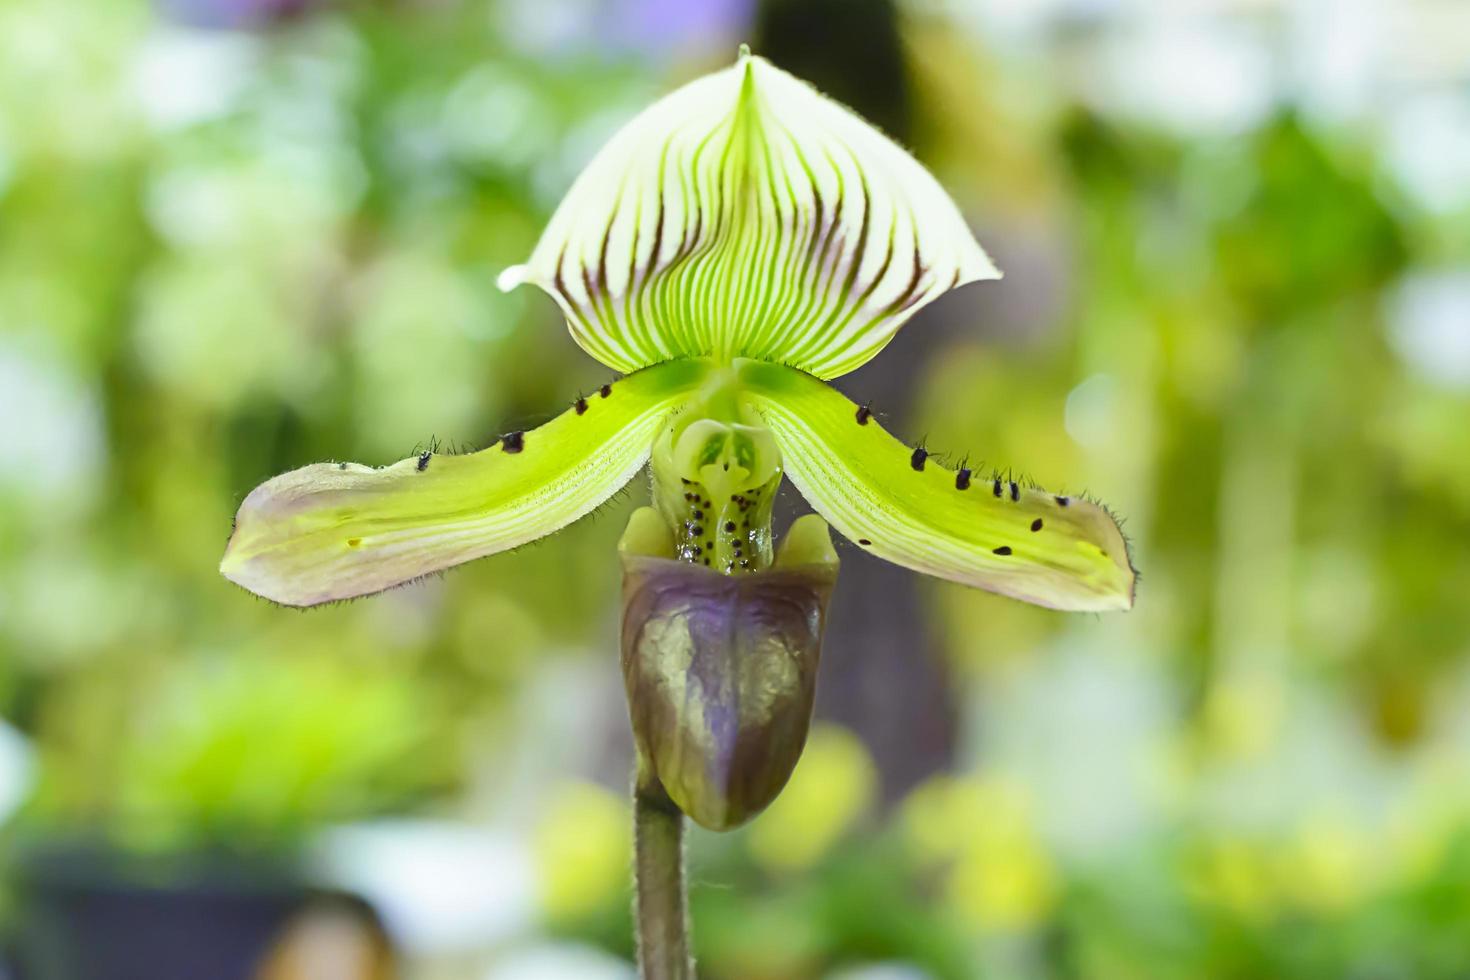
point(655, 586)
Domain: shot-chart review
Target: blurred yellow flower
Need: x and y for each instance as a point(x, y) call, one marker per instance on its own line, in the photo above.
point(1423, 825)
point(938, 814)
point(1243, 715)
point(1002, 877)
point(1327, 866)
point(1003, 885)
point(833, 786)
point(583, 848)
point(1234, 874)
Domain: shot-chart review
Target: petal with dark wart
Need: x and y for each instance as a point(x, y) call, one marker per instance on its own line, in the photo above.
point(338, 530)
point(1062, 552)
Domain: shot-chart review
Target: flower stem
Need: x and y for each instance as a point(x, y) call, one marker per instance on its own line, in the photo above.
point(662, 906)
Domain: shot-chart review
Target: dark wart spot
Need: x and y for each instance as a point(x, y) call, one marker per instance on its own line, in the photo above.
point(729, 527)
point(1015, 491)
point(962, 479)
point(1002, 550)
point(354, 542)
point(1062, 501)
point(745, 563)
point(605, 390)
point(706, 560)
point(581, 405)
point(710, 545)
point(864, 541)
point(997, 488)
point(513, 442)
point(863, 414)
point(698, 515)
point(1036, 524)
point(917, 459)
point(696, 530)
point(424, 461)
point(341, 466)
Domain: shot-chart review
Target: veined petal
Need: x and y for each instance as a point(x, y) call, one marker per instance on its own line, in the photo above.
point(337, 530)
point(748, 215)
point(1061, 552)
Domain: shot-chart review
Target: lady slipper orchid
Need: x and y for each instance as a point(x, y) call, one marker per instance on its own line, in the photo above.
point(738, 244)
point(732, 249)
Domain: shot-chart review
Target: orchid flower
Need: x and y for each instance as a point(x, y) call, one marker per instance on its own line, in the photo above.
point(736, 246)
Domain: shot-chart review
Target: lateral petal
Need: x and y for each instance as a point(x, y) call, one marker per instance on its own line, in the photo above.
point(1061, 552)
point(338, 530)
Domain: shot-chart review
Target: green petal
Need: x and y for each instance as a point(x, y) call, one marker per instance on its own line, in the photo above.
point(747, 215)
point(1062, 552)
point(337, 530)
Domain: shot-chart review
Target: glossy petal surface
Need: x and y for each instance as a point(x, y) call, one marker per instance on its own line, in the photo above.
point(720, 672)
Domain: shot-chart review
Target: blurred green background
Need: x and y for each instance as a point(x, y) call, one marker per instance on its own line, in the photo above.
point(238, 236)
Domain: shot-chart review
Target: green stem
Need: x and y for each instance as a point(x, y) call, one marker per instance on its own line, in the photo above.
point(662, 905)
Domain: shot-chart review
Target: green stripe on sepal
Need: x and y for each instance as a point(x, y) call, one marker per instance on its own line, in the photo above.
point(1061, 552)
point(747, 215)
point(338, 530)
